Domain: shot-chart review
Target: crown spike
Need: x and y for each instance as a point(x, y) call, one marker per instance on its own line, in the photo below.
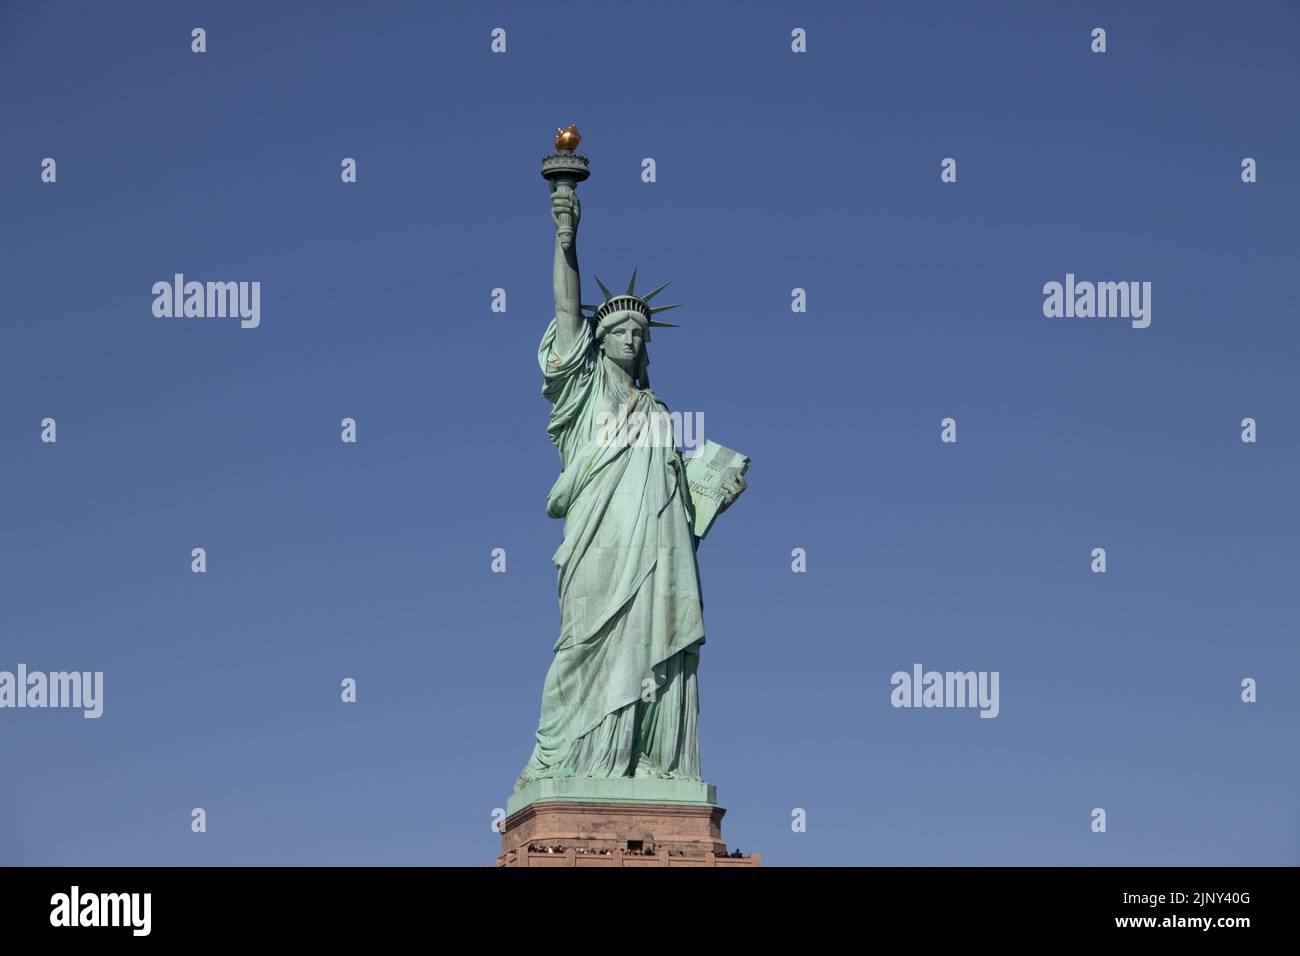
point(630, 301)
point(650, 295)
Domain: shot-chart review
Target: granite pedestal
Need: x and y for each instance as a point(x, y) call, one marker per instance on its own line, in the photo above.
point(616, 822)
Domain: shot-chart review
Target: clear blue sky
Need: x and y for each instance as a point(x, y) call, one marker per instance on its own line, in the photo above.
point(775, 171)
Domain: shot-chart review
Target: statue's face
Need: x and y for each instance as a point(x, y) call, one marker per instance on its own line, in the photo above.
point(623, 343)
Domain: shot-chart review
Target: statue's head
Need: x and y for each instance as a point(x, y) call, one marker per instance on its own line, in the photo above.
point(622, 325)
point(621, 336)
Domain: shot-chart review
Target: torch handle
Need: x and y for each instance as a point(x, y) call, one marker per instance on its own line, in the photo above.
point(564, 231)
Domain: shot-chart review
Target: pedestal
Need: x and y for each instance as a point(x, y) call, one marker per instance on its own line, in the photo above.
point(616, 822)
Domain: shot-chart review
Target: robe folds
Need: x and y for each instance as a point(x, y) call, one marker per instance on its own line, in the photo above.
point(620, 698)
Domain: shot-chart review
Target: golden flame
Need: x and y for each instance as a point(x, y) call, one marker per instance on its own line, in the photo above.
point(567, 138)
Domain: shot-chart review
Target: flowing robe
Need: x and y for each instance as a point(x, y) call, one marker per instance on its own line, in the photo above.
point(631, 611)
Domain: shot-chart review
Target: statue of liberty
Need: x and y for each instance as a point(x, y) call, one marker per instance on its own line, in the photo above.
point(620, 698)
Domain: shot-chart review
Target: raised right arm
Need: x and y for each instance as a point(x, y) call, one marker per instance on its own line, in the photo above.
point(568, 288)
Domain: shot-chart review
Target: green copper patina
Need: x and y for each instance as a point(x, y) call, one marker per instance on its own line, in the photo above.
point(620, 704)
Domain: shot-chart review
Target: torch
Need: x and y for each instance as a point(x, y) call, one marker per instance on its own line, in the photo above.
point(565, 169)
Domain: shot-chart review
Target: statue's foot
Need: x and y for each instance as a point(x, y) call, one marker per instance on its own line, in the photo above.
point(530, 774)
point(647, 769)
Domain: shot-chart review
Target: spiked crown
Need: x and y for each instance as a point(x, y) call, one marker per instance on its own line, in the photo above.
point(629, 301)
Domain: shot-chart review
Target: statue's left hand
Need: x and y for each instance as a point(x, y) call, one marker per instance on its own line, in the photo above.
point(732, 488)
